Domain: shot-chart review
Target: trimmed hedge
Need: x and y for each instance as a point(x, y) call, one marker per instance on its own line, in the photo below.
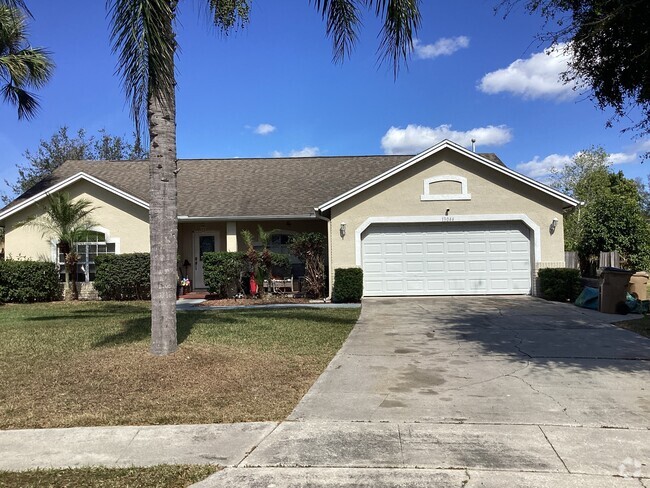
point(123, 276)
point(222, 271)
point(348, 285)
point(560, 284)
point(29, 281)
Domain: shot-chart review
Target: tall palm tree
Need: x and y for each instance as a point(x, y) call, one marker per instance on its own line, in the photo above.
point(67, 222)
point(143, 36)
point(22, 67)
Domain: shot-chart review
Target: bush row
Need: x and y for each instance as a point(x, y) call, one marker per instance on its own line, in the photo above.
point(222, 271)
point(123, 276)
point(29, 281)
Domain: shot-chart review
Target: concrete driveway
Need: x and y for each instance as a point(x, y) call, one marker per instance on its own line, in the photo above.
point(468, 392)
point(496, 360)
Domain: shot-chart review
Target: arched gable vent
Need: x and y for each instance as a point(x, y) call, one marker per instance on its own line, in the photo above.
point(430, 187)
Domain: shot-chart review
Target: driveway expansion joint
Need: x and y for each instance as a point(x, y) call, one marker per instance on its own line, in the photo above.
point(554, 450)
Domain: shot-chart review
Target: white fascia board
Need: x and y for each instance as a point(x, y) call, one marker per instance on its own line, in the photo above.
point(67, 182)
point(185, 218)
point(447, 144)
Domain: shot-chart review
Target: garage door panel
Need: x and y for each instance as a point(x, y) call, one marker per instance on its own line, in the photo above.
point(372, 268)
point(455, 247)
point(468, 258)
point(394, 266)
point(393, 248)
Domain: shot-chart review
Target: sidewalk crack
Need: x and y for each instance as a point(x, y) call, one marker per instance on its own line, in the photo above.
point(554, 450)
point(401, 447)
point(126, 448)
point(466, 481)
point(247, 454)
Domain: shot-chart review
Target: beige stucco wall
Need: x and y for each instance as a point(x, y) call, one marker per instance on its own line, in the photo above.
point(491, 193)
point(123, 220)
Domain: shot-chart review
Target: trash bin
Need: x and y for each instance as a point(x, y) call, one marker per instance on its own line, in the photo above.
point(638, 285)
point(613, 289)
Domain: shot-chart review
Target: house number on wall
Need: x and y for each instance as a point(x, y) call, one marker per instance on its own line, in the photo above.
point(447, 219)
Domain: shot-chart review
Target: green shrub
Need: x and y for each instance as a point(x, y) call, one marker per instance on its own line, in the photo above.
point(309, 247)
point(29, 281)
point(222, 272)
point(123, 276)
point(560, 284)
point(348, 285)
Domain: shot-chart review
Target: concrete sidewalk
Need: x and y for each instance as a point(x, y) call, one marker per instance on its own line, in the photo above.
point(222, 444)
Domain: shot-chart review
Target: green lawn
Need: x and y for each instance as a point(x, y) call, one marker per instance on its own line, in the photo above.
point(155, 476)
point(87, 363)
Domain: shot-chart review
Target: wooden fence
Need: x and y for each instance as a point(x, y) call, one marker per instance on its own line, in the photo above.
point(606, 259)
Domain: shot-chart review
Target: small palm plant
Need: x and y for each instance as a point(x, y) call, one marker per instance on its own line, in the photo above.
point(21, 66)
point(67, 222)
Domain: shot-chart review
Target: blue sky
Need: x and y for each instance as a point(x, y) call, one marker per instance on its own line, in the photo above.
point(272, 89)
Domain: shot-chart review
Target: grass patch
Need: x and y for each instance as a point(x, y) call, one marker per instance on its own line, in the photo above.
point(640, 326)
point(172, 476)
point(87, 363)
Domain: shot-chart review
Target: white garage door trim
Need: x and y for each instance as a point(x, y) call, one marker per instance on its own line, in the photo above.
point(419, 219)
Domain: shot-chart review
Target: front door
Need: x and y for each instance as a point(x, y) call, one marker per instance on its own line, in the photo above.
point(203, 242)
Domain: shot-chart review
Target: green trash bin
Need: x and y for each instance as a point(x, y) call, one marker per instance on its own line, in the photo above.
point(613, 290)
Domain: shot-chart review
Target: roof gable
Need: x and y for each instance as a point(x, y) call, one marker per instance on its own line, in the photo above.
point(446, 144)
point(35, 198)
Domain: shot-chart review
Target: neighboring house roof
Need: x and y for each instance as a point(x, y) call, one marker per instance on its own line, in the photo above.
point(249, 188)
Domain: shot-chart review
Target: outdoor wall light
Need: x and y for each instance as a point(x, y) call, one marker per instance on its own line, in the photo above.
point(554, 223)
point(342, 230)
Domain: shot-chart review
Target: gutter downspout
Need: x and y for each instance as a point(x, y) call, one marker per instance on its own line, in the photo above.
point(330, 269)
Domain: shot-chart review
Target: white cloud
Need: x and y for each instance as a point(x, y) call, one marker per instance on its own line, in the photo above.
point(541, 168)
point(623, 158)
point(415, 138)
point(535, 77)
point(305, 152)
point(444, 46)
point(264, 129)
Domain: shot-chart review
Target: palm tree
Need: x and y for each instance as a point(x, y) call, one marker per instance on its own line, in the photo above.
point(67, 222)
point(21, 67)
point(144, 38)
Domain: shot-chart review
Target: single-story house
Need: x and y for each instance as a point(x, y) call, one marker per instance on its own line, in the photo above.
point(447, 221)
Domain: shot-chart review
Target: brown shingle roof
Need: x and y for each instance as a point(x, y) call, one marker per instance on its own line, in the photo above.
point(238, 187)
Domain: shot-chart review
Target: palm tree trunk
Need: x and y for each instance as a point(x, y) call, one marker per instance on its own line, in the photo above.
point(163, 227)
point(71, 275)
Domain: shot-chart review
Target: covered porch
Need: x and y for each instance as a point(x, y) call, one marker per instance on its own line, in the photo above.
point(198, 236)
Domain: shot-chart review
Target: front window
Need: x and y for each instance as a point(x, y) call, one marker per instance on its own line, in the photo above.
point(94, 244)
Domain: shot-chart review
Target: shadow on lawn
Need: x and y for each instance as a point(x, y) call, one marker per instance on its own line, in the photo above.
point(139, 328)
point(106, 310)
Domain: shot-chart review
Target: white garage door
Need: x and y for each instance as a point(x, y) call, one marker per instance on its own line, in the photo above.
point(446, 259)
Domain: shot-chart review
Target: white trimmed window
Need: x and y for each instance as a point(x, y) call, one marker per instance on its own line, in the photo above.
point(95, 243)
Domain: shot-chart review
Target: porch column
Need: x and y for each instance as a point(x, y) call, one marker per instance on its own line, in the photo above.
point(231, 236)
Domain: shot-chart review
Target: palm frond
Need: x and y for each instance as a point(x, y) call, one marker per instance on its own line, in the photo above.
point(342, 21)
point(16, 4)
point(228, 15)
point(21, 66)
point(26, 102)
point(401, 22)
point(63, 219)
point(142, 35)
